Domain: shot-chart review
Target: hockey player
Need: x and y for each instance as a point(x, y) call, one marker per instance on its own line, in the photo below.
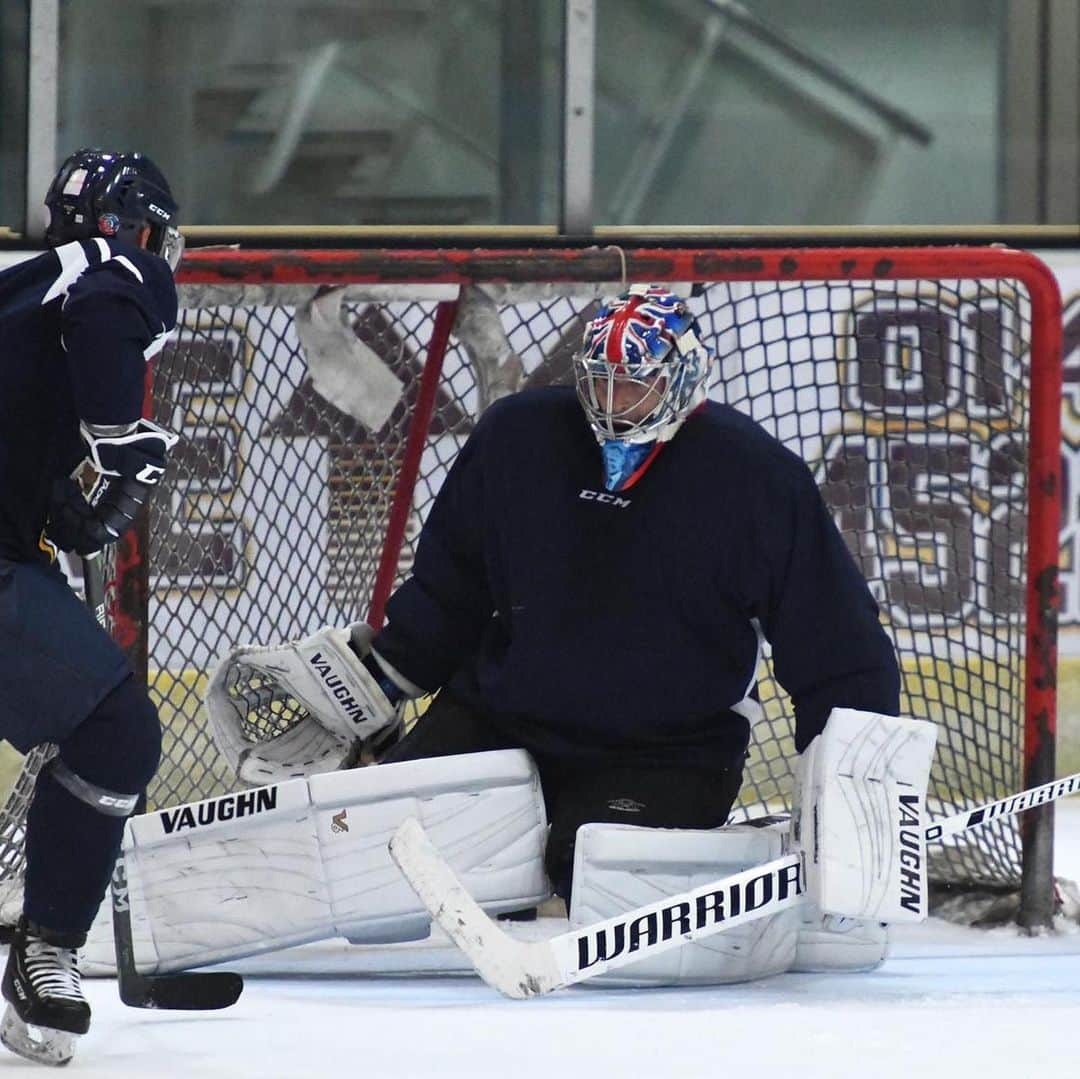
point(593, 585)
point(596, 575)
point(79, 323)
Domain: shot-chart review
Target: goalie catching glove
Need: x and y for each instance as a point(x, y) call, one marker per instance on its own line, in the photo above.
point(130, 462)
point(283, 711)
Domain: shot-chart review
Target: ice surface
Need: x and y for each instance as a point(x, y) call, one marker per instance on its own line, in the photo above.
point(950, 1002)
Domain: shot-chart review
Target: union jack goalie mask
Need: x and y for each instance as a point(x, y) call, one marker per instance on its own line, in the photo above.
point(642, 368)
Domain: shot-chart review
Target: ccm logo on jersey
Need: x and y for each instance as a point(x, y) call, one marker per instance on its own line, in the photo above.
point(227, 807)
point(605, 497)
point(910, 853)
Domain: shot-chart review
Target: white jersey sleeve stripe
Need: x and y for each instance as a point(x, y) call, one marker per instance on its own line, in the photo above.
point(157, 344)
point(750, 709)
point(129, 265)
point(73, 264)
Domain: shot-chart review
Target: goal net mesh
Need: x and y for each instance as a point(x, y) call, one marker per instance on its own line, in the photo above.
point(908, 397)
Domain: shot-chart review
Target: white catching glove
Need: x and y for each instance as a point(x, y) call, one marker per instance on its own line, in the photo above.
point(282, 711)
point(859, 815)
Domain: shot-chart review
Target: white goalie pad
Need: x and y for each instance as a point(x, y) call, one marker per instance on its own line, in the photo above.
point(860, 816)
point(619, 867)
point(832, 944)
point(304, 860)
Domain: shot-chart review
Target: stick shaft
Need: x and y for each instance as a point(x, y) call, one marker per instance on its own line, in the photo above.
point(1004, 807)
point(94, 587)
point(187, 992)
point(521, 969)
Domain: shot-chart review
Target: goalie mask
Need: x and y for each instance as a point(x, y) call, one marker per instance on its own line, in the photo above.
point(98, 193)
point(642, 368)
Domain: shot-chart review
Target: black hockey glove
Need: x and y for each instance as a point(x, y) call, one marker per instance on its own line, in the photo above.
point(86, 527)
point(130, 466)
point(73, 525)
point(138, 454)
point(117, 502)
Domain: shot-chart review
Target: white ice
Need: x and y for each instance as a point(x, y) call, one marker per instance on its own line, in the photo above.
point(949, 1002)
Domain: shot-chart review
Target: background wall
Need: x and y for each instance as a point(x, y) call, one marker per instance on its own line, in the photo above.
point(775, 112)
point(760, 140)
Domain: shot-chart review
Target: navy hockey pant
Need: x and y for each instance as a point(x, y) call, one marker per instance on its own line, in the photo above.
point(65, 681)
point(645, 794)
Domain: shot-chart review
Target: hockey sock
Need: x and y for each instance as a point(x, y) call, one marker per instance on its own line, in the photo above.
point(70, 851)
point(81, 801)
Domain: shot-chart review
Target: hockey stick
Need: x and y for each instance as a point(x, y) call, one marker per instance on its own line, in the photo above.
point(522, 969)
point(183, 992)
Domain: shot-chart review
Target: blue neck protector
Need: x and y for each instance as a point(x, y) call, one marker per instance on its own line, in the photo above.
point(622, 460)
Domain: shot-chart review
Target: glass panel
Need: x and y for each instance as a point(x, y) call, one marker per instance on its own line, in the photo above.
point(329, 112)
point(14, 49)
point(780, 112)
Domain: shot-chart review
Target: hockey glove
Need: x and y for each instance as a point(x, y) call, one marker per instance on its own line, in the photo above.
point(129, 464)
point(116, 502)
point(296, 709)
point(73, 524)
point(134, 452)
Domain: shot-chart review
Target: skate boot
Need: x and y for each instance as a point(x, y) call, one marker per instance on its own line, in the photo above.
point(46, 1008)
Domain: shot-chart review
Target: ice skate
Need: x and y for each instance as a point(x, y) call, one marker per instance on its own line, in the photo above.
point(46, 1008)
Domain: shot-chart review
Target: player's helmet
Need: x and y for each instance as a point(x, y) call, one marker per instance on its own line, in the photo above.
point(648, 339)
point(100, 193)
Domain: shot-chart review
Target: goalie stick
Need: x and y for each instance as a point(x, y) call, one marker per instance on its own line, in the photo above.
point(521, 969)
point(182, 992)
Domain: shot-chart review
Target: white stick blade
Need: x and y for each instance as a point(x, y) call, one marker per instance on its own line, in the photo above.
point(515, 968)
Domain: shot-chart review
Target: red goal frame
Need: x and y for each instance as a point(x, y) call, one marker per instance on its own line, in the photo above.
point(515, 266)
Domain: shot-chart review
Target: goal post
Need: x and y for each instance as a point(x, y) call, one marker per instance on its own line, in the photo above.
point(921, 384)
point(322, 394)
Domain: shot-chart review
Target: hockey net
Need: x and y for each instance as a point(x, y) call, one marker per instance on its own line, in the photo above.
point(322, 395)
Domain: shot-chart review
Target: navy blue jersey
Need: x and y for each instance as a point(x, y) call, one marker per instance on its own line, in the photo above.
point(78, 324)
point(626, 625)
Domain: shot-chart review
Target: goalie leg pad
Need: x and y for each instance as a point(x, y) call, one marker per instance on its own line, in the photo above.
point(860, 815)
point(307, 859)
point(830, 943)
point(618, 867)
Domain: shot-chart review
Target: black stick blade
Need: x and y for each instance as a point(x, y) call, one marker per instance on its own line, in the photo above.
point(176, 992)
point(181, 992)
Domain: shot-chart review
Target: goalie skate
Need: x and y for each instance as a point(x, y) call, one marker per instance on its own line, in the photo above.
point(46, 1008)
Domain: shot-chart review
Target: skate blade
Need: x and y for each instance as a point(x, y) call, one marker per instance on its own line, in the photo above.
point(44, 1045)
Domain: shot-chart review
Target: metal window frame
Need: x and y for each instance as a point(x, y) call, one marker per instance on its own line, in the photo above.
point(579, 101)
point(1040, 163)
point(41, 111)
point(1040, 120)
point(1062, 179)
